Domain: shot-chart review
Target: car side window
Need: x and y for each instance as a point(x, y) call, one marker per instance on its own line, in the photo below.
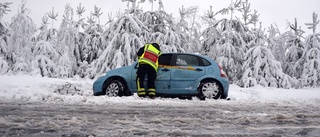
point(165, 59)
point(187, 60)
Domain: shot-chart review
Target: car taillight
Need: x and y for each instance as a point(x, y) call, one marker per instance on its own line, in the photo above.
point(222, 73)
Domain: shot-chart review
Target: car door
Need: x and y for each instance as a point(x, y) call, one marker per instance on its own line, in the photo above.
point(163, 75)
point(187, 70)
point(163, 80)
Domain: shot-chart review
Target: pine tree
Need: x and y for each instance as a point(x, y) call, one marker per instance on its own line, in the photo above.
point(93, 44)
point(4, 54)
point(53, 16)
point(130, 32)
point(65, 46)
point(4, 40)
point(314, 23)
point(4, 8)
point(170, 41)
point(261, 67)
point(125, 37)
point(247, 16)
point(311, 56)
point(44, 55)
point(311, 61)
point(52, 32)
point(294, 49)
point(189, 29)
point(134, 8)
point(211, 34)
point(160, 28)
point(80, 35)
point(229, 50)
point(22, 28)
point(276, 43)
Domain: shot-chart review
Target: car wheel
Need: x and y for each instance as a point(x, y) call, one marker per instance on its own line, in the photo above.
point(209, 89)
point(114, 88)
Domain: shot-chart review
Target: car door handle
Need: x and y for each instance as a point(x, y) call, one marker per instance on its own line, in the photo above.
point(165, 70)
point(198, 69)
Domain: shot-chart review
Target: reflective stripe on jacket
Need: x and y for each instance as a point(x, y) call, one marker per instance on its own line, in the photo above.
point(150, 56)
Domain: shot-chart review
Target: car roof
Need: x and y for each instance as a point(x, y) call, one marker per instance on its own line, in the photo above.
point(195, 54)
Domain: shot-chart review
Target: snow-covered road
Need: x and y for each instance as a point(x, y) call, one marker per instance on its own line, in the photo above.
point(35, 106)
point(219, 119)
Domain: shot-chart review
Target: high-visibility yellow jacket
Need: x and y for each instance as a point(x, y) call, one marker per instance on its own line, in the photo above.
point(150, 56)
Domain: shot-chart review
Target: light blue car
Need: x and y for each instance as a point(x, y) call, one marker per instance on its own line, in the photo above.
point(182, 75)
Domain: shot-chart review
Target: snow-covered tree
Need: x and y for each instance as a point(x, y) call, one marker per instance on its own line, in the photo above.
point(4, 8)
point(4, 40)
point(160, 28)
point(4, 66)
point(93, 43)
point(81, 26)
point(43, 61)
point(229, 50)
point(311, 56)
point(226, 39)
point(152, 1)
point(247, 16)
point(22, 28)
point(65, 46)
point(314, 23)
point(91, 46)
point(261, 67)
point(276, 43)
point(125, 37)
point(44, 54)
point(170, 41)
point(211, 34)
point(97, 13)
point(80, 35)
point(134, 8)
point(51, 33)
point(53, 16)
point(189, 29)
point(311, 61)
point(294, 50)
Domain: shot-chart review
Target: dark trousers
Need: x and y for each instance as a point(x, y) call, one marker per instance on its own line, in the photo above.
point(143, 71)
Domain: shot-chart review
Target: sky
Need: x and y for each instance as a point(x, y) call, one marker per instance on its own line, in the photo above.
point(278, 12)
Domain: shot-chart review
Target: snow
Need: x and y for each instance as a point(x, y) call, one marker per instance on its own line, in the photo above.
point(40, 106)
point(78, 91)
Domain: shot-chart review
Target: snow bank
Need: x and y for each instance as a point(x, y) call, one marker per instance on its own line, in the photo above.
point(78, 91)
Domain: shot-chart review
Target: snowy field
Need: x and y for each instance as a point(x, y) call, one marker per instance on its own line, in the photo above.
point(36, 106)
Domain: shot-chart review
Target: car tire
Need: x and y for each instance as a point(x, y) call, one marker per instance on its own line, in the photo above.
point(113, 88)
point(209, 89)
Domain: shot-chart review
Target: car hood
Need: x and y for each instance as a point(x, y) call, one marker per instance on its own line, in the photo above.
point(121, 71)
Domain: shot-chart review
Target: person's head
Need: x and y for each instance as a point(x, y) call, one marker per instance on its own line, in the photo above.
point(156, 45)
